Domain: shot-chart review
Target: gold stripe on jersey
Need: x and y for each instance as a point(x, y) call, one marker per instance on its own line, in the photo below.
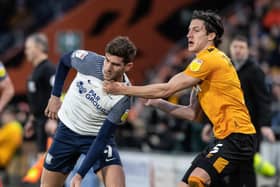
point(220, 164)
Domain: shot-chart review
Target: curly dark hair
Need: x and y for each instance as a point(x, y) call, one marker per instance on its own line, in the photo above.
point(122, 46)
point(213, 23)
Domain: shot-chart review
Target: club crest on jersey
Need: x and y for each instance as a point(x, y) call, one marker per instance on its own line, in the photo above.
point(81, 88)
point(124, 116)
point(81, 54)
point(195, 64)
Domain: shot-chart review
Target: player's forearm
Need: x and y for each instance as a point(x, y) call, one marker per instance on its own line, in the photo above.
point(149, 91)
point(178, 111)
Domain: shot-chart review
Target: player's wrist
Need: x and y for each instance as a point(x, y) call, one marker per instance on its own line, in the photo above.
point(80, 174)
point(55, 97)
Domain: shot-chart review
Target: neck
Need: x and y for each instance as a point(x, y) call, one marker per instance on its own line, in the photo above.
point(39, 59)
point(206, 47)
point(239, 64)
point(121, 79)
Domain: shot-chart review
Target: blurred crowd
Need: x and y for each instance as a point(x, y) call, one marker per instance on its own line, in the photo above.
point(18, 18)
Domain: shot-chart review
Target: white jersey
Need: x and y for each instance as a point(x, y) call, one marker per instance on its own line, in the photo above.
point(86, 105)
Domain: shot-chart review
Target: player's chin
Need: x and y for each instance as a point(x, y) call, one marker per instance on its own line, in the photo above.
point(108, 79)
point(191, 49)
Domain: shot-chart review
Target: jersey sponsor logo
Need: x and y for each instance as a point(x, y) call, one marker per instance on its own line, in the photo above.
point(91, 95)
point(80, 54)
point(94, 99)
point(195, 64)
point(81, 88)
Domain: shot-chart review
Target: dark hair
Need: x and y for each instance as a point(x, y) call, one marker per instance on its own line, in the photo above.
point(213, 23)
point(240, 38)
point(123, 47)
point(11, 109)
point(41, 40)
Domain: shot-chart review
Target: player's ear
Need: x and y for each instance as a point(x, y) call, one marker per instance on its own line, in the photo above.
point(211, 36)
point(128, 66)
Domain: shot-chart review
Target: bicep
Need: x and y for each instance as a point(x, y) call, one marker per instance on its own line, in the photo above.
point(181, 81)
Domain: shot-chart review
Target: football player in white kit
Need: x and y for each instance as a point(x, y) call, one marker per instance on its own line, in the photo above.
point(88, 116)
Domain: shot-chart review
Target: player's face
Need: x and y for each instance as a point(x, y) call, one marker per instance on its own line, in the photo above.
point(31, 50)
point(239, 51)
point(198, 39)
point(114, 67)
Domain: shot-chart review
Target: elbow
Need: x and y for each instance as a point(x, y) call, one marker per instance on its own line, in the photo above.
point(165, 93)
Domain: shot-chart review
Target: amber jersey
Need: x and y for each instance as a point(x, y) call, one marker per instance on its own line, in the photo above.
point(220, 94)
point(10, 140)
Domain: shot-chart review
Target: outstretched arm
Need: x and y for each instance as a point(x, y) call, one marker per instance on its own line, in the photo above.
point(178, 82)
point(179, 111)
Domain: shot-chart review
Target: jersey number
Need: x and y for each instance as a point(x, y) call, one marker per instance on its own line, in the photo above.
point(216, 148)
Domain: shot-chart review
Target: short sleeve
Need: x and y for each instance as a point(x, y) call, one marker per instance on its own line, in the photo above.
point(119, 112)
point(88, 63)
point(200, 68)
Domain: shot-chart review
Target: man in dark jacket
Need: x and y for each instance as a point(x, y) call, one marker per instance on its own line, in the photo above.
point(257, 98)
point(39, 86)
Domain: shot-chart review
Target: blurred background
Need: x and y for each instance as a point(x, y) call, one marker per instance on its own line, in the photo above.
point(158, 146)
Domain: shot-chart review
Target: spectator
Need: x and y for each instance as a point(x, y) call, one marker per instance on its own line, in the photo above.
point(11, 133)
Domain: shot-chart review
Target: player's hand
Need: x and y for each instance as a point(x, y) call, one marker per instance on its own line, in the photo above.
point(113, 87)
point(50, 126)
point(76, 181)
point(53, 107)
point(268, 133)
